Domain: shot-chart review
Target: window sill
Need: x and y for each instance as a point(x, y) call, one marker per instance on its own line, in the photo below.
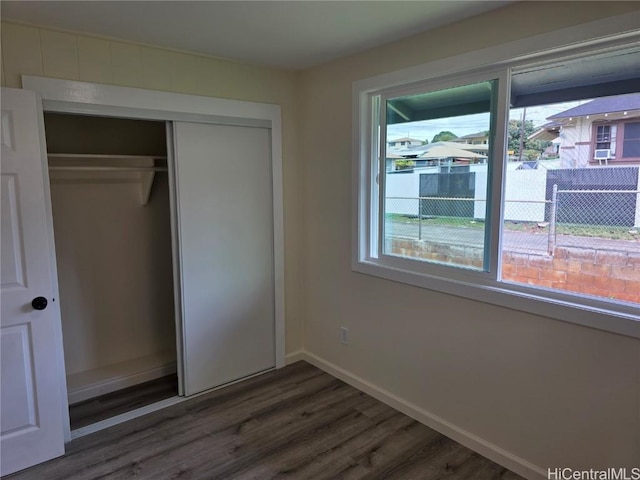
point(517, 297)
point(617, 161)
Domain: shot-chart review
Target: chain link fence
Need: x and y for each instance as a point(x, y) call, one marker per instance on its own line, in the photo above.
point(586, 217)
point(543, 209)
point(571, 218)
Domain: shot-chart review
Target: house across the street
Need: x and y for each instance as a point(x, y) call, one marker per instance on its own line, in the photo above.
point(404, 142)
point(604, 131)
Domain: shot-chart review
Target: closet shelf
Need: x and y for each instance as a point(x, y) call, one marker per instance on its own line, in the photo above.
point(145, 165)
point(93, 168)
point(93, 156)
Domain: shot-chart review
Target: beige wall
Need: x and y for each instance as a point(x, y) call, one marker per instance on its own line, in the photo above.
point(45, 52)
point(552, 393)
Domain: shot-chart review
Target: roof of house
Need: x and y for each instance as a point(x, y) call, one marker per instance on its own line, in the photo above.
point(475, 135)
point(545, 134)
point(455, 150)
point(618, 103)
point(552, 125)
point(470, 146)
point(405, 139)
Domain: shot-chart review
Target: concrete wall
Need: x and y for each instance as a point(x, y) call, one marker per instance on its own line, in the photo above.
point(525, 185)
point(604, 272)
point(547, 392)
point(51, 53)
point(404, 185)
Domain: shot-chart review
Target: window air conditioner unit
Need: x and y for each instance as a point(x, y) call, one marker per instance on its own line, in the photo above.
point(602, 154)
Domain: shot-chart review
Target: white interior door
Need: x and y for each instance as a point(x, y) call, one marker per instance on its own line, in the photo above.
point(225, 227)
point(31, 424)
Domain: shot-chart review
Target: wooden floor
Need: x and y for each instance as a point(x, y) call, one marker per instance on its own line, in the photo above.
point(125, 400)
point(295, 423)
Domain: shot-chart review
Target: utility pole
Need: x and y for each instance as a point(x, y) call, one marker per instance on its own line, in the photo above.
point(521, 148)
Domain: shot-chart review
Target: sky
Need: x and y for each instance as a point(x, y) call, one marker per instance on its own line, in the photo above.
point(465, 125)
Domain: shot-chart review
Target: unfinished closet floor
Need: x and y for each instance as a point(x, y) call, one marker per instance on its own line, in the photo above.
point(297, 422)
point(122, 401)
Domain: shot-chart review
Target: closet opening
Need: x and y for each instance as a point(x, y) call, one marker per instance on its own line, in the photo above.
point(112, 227)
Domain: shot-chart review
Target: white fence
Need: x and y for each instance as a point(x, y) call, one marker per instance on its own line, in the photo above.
point(525, 192)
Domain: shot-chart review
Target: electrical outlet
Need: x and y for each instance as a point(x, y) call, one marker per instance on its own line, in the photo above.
point(344, 335)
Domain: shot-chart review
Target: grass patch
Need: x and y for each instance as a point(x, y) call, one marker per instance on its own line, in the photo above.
point(600, 231)
point(609, 232)
point(444, 221)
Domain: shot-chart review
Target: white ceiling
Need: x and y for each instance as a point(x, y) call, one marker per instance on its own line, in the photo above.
point(288, 34)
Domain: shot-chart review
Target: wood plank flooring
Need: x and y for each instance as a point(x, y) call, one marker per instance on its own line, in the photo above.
point(295, 423)
point(125, 400)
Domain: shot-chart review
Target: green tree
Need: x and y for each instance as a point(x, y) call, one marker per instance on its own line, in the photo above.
point(531, 154)
point(404, 164)
point(443, 136)
point(515, 130)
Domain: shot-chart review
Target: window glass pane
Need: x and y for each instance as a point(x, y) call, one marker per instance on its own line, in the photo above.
point(571, 211)
point(631, 149)
point(632, 131)
point(604, 133)
point(435, 187)
point(631, 145)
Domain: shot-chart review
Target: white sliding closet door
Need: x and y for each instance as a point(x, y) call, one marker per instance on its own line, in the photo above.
point(225, 228)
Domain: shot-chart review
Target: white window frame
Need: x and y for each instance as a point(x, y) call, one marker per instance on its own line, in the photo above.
point(368, 95)
point(494, 180)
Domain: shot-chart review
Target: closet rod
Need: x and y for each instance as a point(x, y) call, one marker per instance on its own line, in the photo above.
point(109, 169)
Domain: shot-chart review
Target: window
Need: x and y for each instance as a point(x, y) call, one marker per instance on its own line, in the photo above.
point(603, 137)
point(446, 212)
point(631, 140)
point(604, 142)
point(570, 225)
point(528, 221)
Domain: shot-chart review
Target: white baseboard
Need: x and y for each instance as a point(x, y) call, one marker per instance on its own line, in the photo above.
point(468, 439)
point(294, 357)
point(108, 381)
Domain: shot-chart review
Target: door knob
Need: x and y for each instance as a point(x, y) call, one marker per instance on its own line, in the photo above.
point(39, 303)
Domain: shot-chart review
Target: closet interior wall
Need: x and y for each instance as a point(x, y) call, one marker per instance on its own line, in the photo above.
point(113, 252)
